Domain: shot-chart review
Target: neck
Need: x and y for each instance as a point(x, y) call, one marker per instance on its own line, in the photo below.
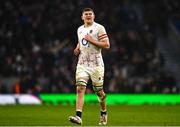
point(88, 24)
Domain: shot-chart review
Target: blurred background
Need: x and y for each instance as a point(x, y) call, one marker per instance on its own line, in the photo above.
point(37, 38)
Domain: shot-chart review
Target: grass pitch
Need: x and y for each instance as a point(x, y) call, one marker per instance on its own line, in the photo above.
point(120, 115)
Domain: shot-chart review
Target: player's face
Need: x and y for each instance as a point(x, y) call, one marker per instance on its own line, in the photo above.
point(88, 17)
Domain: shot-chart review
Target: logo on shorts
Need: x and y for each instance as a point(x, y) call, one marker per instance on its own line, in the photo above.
point(100, 78)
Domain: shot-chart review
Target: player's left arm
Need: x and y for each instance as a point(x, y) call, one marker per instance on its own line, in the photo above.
point(103, 40)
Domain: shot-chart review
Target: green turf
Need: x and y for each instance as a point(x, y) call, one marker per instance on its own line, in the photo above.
point(118, 115)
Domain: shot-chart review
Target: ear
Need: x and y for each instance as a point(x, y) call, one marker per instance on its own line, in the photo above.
point(82, 17)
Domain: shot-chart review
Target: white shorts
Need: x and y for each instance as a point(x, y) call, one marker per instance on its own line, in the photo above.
point(96, 74)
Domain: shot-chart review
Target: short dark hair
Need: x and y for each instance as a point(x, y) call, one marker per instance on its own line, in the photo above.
point(87, 9)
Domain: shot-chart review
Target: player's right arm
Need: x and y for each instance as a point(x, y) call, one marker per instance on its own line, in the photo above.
point(77, 49)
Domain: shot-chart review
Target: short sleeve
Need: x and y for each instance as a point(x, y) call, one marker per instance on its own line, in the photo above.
point(102, 33)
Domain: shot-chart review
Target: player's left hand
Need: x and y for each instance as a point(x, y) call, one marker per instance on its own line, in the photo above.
point(88, 38)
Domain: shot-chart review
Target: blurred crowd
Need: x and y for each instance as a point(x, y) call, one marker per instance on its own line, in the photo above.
point(173, 7)
point(37, 39)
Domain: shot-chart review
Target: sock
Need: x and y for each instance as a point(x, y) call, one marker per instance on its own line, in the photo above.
point(103, 112)
point(78, 113)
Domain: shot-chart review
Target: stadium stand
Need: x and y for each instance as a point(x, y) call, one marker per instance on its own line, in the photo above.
point(37, 38)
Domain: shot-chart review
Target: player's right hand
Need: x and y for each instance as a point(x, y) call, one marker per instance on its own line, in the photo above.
point(76, 51)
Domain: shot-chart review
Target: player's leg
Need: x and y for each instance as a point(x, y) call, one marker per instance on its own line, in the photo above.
point(81, 82)
point(97, 79)
point(80, 89)
point(102, 101)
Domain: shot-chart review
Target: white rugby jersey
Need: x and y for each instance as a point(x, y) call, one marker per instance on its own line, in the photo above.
point(90, 54)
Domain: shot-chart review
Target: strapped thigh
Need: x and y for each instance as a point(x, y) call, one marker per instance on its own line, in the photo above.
point(97, 88)
point(82, 76)
point(81, 81)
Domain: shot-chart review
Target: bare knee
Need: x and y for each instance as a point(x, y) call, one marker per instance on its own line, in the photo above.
point(80, 89)
point(101, 96)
